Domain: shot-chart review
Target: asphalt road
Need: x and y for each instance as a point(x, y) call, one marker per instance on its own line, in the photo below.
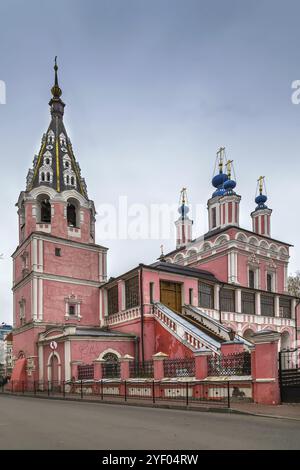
point(32, 423)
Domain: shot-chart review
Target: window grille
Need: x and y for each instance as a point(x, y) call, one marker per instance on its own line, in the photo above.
point(206, 295)
point(267, 305)
point(227, 298)
point(285, 307)
point(113, 300)
point(132, 292)
point(248, 303)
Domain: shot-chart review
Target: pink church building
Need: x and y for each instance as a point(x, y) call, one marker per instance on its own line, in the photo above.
point(220, 287)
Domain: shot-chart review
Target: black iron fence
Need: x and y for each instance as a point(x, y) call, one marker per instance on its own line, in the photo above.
point(289, 375)
point(141, 369)
point(209, 393)
point(86, 372)
point(230, 364)
point(111, 370)
point(184, 367)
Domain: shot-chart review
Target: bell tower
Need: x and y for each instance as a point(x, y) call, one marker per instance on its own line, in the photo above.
point(261, 216)
point(58, 267)
point(183, 224)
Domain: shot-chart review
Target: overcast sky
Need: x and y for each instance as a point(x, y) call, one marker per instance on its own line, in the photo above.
point(152, 89)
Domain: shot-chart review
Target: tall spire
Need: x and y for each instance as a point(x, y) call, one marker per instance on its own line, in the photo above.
point(57, 105)
point(183, 224)
point(56, 166)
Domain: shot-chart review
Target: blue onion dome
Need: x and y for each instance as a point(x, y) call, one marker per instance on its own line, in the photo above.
point(219, 179)
point(261, 199)
point(229, 185)
point(183, 210)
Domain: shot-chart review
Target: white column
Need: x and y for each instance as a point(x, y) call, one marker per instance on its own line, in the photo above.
point(229, 267)
point(105, 303)
point(34, 254)
point(34, 298)
point(41, 363)
point(41, 257)
point(285, 278)
point(41, 299)
point(276, 306)
point(67, 360)
point(101, 313)
point(293, 309)
point(216, 296)
point(257, 303)
point(100, 266)
point(238, 300)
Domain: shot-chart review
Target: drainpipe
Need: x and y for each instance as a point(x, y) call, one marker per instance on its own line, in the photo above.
point(142, 313)
point(220, 311)
point(296, 326)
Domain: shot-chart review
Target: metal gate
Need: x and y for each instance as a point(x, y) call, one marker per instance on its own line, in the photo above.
point(289, 375)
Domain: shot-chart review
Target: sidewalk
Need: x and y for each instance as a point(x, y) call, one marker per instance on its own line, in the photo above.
point(288, 410)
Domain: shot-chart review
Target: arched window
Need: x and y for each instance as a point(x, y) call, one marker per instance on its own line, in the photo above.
point(48, 176)
point(47, 161)
point(68, 179)
point(45, 211)
point(72, 180)
point(43, 176)
point(71, 215)
point(111, 366)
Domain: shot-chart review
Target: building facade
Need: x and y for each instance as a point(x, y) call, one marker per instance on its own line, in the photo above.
point(227, 284)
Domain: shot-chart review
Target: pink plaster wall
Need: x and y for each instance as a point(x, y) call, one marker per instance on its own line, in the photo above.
point(74, 261)
point(168, 344)
point(87, 351)
point(217, 266)
point(55, 306)
point(23, 292)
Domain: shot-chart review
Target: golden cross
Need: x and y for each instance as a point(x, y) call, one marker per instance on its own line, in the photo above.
point(183, 195)
point(260, 183)
point(220, 154)
point(228, 167)
point(162, 250)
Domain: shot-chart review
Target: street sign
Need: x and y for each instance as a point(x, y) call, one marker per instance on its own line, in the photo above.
point(53, 345)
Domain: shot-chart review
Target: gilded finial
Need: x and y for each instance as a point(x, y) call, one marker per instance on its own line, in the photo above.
point(183, 196)
point(260, 184)
point(55, 90)
point(220, 155)
point(228, 168)
point(161, 250)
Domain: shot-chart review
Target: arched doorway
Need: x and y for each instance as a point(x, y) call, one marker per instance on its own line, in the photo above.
point(248, 334)
point(285, 340)
point(54, 370)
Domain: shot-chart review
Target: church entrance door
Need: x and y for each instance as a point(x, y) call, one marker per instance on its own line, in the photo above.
point(170, 295)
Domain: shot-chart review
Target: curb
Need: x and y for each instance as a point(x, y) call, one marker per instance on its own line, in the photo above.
point(203, 409)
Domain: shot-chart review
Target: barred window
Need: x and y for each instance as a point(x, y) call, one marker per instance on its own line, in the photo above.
point(112, 300)
point(267, 305)
point(285, 307)
point(269, 282)
point(206, 295)
point(227, 297)
point(132, 292)
point(213, 217)
point(251, 279)
point(248, 303)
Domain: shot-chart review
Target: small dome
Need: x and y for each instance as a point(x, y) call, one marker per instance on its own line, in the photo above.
point(261, 199)
point(219, 179)
point(229, 185)
point(183, 210)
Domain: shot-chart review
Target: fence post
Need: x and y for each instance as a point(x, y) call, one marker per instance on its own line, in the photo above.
point(265, 371)
point(228, 394)
point(12, 386)
point(153, 391)
point(23, 387)
point(48, 388)
point(64, 389)
point(125, 365)
point(101, 389)
point(187, 393)
point(81, 390)
point(158, 364)
point(201, 363)
point(34, 387)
